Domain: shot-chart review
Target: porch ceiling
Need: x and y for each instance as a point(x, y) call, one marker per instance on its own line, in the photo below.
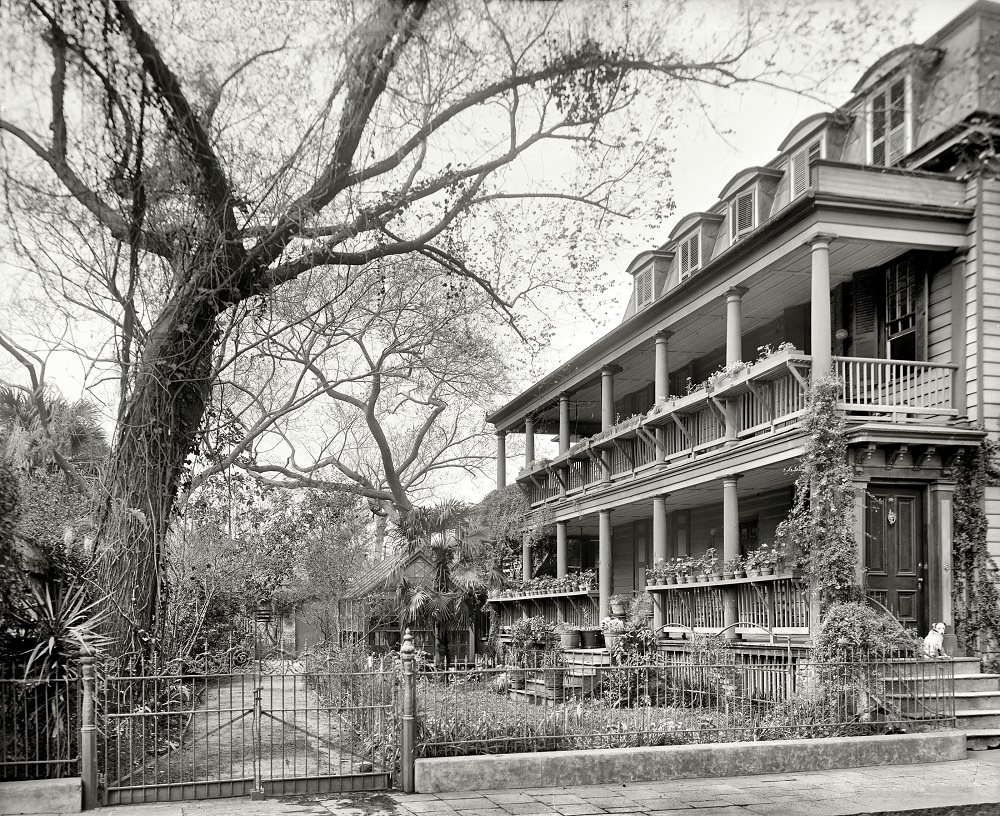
point(781, 285)
point(758, 481)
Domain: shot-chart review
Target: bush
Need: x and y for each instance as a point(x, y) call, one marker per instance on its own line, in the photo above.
point(851, 631)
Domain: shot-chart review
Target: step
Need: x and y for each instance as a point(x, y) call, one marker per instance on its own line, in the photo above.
point(966, 719)
point(963, 683)
point(966, 665)
point(977, 701)
point(982, 739)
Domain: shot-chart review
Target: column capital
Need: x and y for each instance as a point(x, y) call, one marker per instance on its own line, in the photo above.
point(662, 496)
point(611, 369)
point(606, 510)
point(501, 433)
point(565, 395)
point(664, 335)
point(824, 238)
point(731, 477)
point(736, 292)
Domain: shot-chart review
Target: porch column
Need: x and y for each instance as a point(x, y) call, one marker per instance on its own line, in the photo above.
point(501, 460)
point(661, 381)
point(562, 544)
point(605, 579)
point(529, 441)
point(563, 423)
point(607, 413)
point(730, 547)
point(734, 324)
point(526, 567)
point(937, 572)
point(659, 551)
point(820, 333)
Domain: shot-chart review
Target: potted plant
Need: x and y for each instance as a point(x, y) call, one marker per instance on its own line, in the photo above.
point(740, 567)
point(569, 636)
point(590, 636)
point(683, 567)
point(619, 603)
point(752, 564)
point(586, 579)
point(768, 560)
point(552, 674)
point(710, 565)
point(613, 629)
point(729, 569)
point(651, 578)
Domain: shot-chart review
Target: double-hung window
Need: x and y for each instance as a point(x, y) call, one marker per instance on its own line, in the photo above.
point(901, 311)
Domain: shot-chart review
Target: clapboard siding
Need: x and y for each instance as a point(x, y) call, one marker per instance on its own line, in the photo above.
point(972, 310)
point(939, 317)
point(990, 310)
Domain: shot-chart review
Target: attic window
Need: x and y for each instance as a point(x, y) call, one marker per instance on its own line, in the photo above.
point(889, 118)
point(690, 252)
point(801, 165)
point(644, 288)
point(741, 212)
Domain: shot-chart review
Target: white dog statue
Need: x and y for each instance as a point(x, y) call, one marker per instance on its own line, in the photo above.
point(934, 642)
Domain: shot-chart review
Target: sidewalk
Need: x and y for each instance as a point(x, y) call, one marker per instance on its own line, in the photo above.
point(967, 788)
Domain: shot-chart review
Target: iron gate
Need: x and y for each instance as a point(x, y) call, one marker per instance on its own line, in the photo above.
point(175, 737)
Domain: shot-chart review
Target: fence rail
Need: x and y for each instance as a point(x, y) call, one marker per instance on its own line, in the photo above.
point(40, 729)
point(547, 702)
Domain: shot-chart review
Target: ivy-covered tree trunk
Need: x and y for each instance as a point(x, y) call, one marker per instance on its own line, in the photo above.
point(157, 433)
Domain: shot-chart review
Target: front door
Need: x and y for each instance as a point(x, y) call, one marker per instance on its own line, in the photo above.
point(896, 553)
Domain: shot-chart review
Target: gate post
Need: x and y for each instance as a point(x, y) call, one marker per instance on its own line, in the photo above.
point(88, 732)
point(407, 737)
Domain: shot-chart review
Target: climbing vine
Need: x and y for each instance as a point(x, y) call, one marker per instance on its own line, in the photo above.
point(976, 599)
point(10, 565)
point(818, 534)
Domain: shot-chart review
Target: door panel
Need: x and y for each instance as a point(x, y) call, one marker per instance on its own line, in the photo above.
point(895, 553)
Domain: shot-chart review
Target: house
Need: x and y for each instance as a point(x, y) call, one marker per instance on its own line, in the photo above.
point(868, 247)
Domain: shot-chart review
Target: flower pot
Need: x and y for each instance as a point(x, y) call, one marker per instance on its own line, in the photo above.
point(611, 641)
point(570, 640)
point(715, 576)
point(671, 579)
point(728, 576)
point(590, 638)
point(617, 608)
point(753, 573)
point(740, 574)
point(767, 570)
point(701, 579)
point(650, 582)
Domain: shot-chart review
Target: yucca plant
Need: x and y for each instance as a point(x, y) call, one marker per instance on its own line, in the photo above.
point(50, 626)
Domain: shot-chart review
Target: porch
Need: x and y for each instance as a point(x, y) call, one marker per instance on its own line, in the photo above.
point(751, 404)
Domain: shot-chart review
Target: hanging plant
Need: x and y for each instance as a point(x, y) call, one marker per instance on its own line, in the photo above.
point(976, 600)
point(818, 534)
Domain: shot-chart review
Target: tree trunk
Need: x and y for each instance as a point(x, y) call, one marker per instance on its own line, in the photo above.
point(157, 432)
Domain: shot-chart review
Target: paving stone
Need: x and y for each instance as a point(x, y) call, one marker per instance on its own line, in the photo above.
point(578, 810)
point(512, 797)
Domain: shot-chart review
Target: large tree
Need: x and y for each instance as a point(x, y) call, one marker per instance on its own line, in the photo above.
point(169, 168)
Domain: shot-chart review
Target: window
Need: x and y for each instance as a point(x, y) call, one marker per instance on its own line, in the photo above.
point(643, 288)
point(890, 138)
point(741, 215)
point(901, 311)
point(800, 168)
point(690, 254)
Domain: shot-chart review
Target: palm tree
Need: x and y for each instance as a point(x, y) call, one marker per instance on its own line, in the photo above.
point(461, 571)
point(49, 434)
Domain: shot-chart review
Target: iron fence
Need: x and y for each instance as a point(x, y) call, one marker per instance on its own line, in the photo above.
point(548, 701)
point(40, 728)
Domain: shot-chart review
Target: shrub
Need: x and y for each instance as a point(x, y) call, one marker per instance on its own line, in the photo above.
point(853, 630)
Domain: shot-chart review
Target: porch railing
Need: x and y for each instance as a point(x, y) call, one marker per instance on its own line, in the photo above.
point(762, 400)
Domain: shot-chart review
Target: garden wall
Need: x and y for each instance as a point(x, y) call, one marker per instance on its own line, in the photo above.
point(604, 766)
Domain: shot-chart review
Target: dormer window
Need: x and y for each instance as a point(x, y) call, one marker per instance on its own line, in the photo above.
point(741, 215)
point(644, 288)
point(800, 167)
point(690, 254)
point(889, 123)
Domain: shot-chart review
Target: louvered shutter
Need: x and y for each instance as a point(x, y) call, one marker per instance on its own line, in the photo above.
point(799, 175)
point(868, 292)
point(690, 255)
point(878, 129)
point(813, 155)
point(896, 122)
point(741, 220)
point(643, 288)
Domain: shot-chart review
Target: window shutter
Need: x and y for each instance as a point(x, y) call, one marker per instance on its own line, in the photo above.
point(897, 122)
point(868, 287)
point(690, 255)
point(799, 173)
point(643, 288)
point(813, 155)
point(741, 220)
point(878, 129)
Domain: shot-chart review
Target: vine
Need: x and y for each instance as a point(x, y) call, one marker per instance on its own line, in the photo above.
point(818, 534)
point(976, 599)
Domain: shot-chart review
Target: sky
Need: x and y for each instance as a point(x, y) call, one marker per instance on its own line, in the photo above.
point(741, 129)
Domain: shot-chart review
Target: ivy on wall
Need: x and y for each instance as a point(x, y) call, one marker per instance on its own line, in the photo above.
point(976, 599)
point(818, 534)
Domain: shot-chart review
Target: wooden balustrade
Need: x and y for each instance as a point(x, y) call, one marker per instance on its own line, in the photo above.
point(769, 396)
point(896, 386)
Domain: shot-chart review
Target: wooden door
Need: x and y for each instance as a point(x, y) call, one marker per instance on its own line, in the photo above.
point(896, 553)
